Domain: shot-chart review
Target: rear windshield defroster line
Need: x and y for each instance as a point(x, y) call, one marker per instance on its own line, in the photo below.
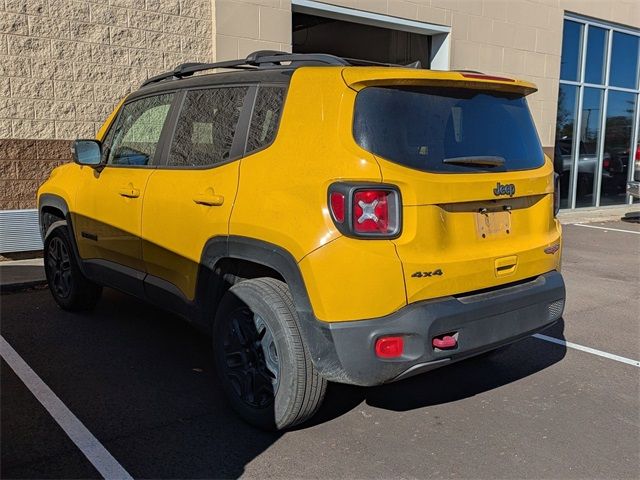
point(424, 128)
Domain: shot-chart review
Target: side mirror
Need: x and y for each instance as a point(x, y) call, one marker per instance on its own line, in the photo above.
point(87, 152)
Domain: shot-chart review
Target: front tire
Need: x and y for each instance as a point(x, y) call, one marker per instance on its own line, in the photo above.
point(263, 365)
point(70, 288)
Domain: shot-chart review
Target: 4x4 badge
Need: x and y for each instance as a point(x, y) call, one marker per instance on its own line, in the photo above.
point(508, 189)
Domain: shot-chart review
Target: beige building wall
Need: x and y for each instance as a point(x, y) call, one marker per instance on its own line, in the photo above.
point(64, 64)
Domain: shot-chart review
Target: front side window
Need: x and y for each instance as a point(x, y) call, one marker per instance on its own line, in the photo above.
point(266, 117)
point(206, 127)
point(135, 135)
point(442, 129)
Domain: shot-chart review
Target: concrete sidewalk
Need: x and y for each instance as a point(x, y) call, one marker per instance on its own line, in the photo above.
point(22, 274)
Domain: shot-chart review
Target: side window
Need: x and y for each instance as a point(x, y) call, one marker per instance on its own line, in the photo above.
point(134, 137)
point(206, 126)
point(266, 117)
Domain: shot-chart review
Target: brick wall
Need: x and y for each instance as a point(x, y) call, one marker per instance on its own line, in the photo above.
point(24, 165)
point(64, 64)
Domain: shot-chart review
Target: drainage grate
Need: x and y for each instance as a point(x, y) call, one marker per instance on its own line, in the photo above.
point(19, 231)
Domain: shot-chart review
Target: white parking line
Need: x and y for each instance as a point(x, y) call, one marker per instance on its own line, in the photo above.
point(88, 444)
point(593, 351)
point(606, 228)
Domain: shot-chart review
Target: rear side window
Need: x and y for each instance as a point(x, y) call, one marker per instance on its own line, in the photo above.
point(134, 137)
point(444, 129)
point(266, 117)
point(206, 127)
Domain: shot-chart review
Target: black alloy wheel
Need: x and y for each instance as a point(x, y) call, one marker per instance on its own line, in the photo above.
point(251, 358)
point(59, 268)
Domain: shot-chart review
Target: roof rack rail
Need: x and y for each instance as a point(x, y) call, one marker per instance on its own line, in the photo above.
point(255, 60)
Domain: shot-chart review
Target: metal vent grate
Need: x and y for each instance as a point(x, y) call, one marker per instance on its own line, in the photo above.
point(19, 231)
point(555, 309)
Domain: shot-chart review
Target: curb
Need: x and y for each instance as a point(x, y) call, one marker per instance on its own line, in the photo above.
point(21, 286)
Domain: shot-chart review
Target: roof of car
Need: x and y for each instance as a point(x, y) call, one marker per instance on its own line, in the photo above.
point(243, 77)
point(274, 67)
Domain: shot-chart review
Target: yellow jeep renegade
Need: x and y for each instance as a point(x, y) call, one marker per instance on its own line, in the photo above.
point(322, 221)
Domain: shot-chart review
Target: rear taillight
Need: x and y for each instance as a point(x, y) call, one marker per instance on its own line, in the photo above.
point(337, 206)
point(365, 210)
point(482, 76)
point(556, 194)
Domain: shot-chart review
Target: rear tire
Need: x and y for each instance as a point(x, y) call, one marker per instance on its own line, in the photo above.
point(262, 363)
point(70, 288)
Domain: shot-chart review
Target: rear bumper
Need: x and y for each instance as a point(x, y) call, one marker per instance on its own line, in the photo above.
point(344, 351)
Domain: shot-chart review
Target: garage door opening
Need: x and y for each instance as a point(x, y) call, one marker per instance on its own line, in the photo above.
point(314, 34)
point(359, 34)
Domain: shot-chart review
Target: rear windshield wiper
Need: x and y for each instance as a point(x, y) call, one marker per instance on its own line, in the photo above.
point(484, 161)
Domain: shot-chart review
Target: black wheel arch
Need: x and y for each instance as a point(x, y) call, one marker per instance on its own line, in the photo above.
point(53, 212)
point(227, 260)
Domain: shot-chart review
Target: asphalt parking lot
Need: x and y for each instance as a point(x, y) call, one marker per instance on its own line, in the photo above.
point(141, 382)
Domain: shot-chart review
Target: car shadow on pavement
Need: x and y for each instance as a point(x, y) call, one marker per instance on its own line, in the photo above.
point(140, 379)
point(143, 383)
point(631, 217)
point(450, 383)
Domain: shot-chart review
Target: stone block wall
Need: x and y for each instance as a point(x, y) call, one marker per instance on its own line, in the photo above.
point(24, 165)
point(64, 65)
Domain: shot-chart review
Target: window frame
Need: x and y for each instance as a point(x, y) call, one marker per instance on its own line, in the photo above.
point(605, 87)
point(155, 160)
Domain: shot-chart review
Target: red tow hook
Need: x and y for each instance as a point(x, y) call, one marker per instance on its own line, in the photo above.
point(444, 342)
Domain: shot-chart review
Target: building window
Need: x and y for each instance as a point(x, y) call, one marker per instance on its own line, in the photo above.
point(597, 122)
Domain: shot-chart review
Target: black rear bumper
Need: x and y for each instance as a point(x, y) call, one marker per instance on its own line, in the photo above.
point(344, 351)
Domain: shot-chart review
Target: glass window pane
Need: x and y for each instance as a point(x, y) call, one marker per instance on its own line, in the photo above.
point(563, 152)
point(266, 117)
point(429, 128)
point(571, 40)
point(206, 126)
point(588, 154)
point(134, 137)
point(635, 155)
point(596, 51)
point(624, 60)
point(617, 147)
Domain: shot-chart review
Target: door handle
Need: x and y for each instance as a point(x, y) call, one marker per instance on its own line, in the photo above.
point(209, 199)
point(129, 192)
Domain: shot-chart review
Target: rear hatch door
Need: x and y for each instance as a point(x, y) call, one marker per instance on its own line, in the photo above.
point(477, 190)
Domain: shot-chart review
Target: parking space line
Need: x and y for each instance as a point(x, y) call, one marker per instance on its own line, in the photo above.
point(606, 228)
point(89, 445)
point(593, 351)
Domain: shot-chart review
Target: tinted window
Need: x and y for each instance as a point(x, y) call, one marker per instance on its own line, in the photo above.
point(624, 60)
point(206, 126)
point(565, 131)
point(423, 128)
point(596, 51)
point(134, 137)
point(266, 116)
point(571, 40)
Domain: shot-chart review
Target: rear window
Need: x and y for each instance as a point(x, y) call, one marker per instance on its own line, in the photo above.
point(450, 130)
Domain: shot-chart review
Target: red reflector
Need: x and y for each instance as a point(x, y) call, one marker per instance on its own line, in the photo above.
point(389, 347)
point(371, 211)
point(445, 341)
point(337, 206)
point(606, 163)
point(482, 76)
